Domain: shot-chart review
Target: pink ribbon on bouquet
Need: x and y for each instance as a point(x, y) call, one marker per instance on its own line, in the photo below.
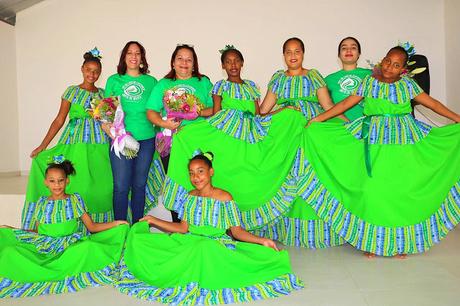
point(118, 131)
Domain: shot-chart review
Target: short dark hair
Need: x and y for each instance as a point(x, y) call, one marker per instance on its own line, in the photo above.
point(65, 166)
point(401, 50)
point(207, 157)
point(196, 70)
point(121, 68)
point(302, 46)
point(352, 38)
point(226, 52)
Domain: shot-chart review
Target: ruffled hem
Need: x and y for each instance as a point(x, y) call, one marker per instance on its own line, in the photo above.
point(13, 289)
point(390, 130)
point(47, 244)
point(311, 234)
point(381, 240)
point(155, 181)
point(241, 125)
point(193, 294)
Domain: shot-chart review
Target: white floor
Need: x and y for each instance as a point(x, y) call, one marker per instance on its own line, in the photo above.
point(337, 276)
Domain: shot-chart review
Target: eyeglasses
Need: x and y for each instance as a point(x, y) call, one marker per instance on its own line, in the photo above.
point(185, 45)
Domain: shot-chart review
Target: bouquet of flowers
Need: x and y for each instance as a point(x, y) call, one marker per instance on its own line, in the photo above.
point(109, 110)
point(104, 109)
point(179, 105)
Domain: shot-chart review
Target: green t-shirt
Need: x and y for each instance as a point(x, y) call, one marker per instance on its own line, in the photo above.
point(134, 93)
point(200, 88)
point(342, 84)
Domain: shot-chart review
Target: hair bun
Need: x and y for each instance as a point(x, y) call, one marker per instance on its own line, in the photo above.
point(208, 155)
point(88, 56)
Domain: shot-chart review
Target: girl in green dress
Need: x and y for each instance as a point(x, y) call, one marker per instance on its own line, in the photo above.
point(84, 142)
point(387, 183)
point(236, 102)
point(59, 258)
point(200, 263)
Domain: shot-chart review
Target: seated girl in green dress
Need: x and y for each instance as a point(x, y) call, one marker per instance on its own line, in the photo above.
point(200, 263)
point(387, 183)
point(59, 258)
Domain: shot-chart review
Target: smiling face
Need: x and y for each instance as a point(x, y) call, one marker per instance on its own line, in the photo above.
point(293, 55)
point(91, 72)
point(56, 181)
point(200, 174)
point(349, 52)
point(183, 64)
point(232, 64)
point(133, 57)
point(393, 65)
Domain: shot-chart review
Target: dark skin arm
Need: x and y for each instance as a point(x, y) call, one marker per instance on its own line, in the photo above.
point(94, 227)
point(166, 226)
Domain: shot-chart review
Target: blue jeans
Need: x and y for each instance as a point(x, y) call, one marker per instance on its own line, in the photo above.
point(131, 175)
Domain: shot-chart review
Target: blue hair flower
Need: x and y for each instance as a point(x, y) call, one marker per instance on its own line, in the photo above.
point(410, 48)
point(196, 152)
point(95, 53)
point(58, 159)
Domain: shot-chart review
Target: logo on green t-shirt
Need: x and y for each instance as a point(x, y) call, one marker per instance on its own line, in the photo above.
point(133, 90)
point(349, 83)
point(184, 87)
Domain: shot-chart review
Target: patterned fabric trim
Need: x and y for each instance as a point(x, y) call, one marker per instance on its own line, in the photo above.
point(49, 211)
point(391, 130)
point(46, 244)
point(200, 211)
point(248, 90)
point(241, 125)
point(193, 294)
point(83, 130)
point(380, 240)
point(398, 92)
point(155, 181)
point(28, 220)
point(78, 96)
point(174, 196)
point(290, 87)
point(309, 109)
point(310, 234)
point(13, 289)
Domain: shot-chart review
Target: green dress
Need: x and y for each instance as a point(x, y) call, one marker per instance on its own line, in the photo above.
point(342, 84)
point(204, 266)
point(59, 258)
point(256, 159)
point(387, 183)
point(85, 144)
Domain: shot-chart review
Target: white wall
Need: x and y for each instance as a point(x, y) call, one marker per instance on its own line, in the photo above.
point(9, 161)
point(52, 36)
point(452, 25)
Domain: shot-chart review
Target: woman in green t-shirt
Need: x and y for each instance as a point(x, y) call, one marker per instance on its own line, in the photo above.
point(342, 83)
point(183, 77)
point(133, 85)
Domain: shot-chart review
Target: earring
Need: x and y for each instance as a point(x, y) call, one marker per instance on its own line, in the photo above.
point(141, 66)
